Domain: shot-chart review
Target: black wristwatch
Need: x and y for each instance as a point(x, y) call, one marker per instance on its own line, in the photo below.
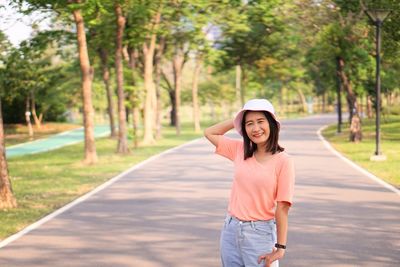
point(280, 246)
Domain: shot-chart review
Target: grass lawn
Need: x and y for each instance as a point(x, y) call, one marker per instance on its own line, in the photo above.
point(47, 181)
point(361, 152)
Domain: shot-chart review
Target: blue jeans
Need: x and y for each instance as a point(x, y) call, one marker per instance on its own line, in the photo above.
point(243, 242)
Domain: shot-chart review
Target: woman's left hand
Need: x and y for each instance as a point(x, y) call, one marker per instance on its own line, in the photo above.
point(276, 254)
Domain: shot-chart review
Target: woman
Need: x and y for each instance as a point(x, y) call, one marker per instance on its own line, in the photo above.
point(255, 229)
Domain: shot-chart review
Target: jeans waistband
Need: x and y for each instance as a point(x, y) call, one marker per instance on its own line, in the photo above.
point(233, 218)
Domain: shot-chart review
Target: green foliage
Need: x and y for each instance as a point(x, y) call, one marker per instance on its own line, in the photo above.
point(348, 6)
point(256, 35)
point(342, 37)
point(185, 26)
point(218, 90)
point(31, 71)
point(139, 25)
point(279, 44)
point(20, 77)
point(5, 46)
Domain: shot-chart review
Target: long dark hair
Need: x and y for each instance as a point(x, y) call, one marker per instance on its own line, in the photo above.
point(272, 141)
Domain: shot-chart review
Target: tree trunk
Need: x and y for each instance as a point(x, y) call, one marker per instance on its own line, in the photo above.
point(323, 96)
point(238, 86)
point(158, 58)
point(106, 79)
point(339, 95)
point(213, 113)
point(122, 131)
point(88, 112)
point(7, 199)
point(172, 113)
point(195, 97)
point(177, 62)
point(171, 94)
point(280, 100)
point(391, 98)
point(133, 98)
point(355, 124)
point(302, 99)
point(148, 136)
point(148, 53)
point(135, 122)
point(28, 119)
point(369, 107)
point(133, 56)
point(388, 103)
point(242, 87)
point(355, 129)
point(38, 121)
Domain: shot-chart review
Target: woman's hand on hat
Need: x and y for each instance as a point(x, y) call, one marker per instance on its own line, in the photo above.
point(213, 132)
point(269, 258)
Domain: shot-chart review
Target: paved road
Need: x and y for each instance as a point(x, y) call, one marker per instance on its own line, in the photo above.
point(168, 212)
point(54, 142)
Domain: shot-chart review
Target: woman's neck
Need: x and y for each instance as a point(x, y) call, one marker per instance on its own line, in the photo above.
point(261, 151)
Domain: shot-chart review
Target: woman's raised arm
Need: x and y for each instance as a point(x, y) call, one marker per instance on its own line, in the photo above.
point(212, 133)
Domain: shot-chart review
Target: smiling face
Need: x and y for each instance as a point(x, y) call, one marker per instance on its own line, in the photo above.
point(257, 128)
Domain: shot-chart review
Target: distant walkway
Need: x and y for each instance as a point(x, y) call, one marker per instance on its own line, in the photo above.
point(54, 142)
point(168, 212)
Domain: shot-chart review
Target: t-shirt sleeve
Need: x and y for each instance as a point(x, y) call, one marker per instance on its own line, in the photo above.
point(286, 178)
point(227, 147)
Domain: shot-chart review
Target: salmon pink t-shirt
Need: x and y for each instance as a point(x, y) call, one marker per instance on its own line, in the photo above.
point(257, 186)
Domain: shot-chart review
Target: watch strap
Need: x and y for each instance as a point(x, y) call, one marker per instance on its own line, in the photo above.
point(277, 245)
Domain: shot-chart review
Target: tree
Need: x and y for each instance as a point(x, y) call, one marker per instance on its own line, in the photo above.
point(104, 58)
point(7, 199)
point(390, 50)
point(249, 35)
point(158, 61)
point(186, 25)
point(340, 49)
point(100, 34)
point(122, 132)
point(88, 111)
point(21, 78)
point(195, 96)
point(148, 50)
point(176, 34)
point(75, 7)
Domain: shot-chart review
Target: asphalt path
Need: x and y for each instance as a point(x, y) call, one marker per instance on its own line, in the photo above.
point(169, 210)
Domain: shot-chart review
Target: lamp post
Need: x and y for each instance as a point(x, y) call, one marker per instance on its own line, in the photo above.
point(377, 16)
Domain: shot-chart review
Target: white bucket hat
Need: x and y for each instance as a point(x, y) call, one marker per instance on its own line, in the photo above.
point(254, 105)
